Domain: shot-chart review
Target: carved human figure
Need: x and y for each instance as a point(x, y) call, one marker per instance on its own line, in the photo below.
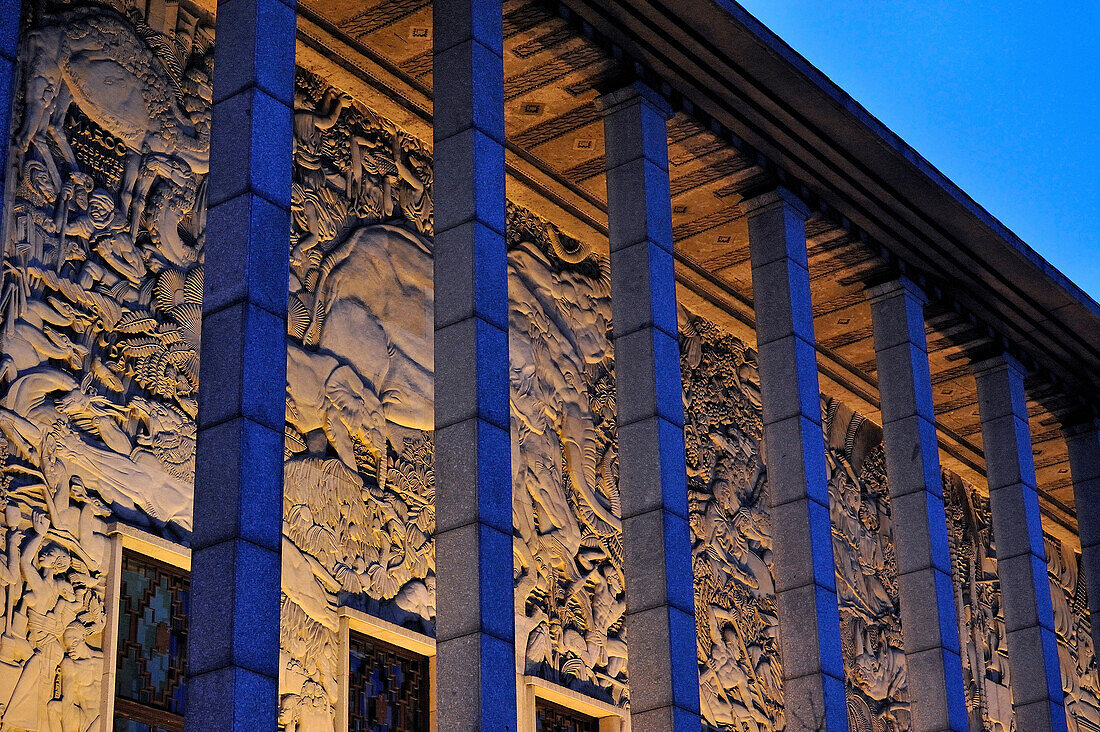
point(414, 193)
point(105, 231)
point(49, 604)
point(880, 672)
point(309, 711)
point(80, 676)
point(728, 695)
point(11, 576)
point(309, 122)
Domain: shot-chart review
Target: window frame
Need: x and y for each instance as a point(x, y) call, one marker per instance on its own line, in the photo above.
point(128, 539)
point(609, 717)
point(384, 633)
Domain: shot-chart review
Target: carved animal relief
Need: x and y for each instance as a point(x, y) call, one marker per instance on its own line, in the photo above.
point(101, 303)
point(360, 416)
point(100, 320)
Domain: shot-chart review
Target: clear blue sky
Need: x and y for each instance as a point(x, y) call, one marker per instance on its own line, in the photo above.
point(1003, 96)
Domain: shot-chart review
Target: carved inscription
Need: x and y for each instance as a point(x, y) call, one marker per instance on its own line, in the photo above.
point(101, 300)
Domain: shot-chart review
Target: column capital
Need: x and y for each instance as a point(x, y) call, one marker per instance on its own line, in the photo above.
point(636, 92)
point(1001, 361)
point(775, 197)
point(1079, 422)
point(897, 285)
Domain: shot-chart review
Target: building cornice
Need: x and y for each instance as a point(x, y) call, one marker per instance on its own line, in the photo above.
point(716, 62)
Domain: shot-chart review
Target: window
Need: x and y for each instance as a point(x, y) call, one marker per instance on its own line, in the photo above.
point(553, 718)
point(387, 688)
point(152, 646)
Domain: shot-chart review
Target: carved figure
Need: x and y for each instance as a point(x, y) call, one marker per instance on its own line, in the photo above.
point(80, 676)
point(94, 58)
point(100, 355)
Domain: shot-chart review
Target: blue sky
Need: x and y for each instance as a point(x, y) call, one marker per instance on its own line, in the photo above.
point(1003, 96)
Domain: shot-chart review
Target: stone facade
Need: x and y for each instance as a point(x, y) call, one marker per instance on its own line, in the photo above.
point(107, 189)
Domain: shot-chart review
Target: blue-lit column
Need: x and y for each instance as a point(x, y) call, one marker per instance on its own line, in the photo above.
point(475, 625)
point(10, 14)
point(805, 576)
point(1035, 677)
point(929, 624)
point(1083, 444)
point(233, 638)
point(660, 602)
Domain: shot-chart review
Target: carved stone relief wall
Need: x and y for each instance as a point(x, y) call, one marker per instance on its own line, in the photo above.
point(737, 623)
point(358, 518)
point(100, 300)
point(736, 617)
point(100, 304)
point(568, 545)
point(866, 573)
point(360, 415)
point(1073, 625)
point(982, 632)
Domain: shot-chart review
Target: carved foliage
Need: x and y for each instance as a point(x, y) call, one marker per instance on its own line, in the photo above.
point(100, 300)
point(736, 618)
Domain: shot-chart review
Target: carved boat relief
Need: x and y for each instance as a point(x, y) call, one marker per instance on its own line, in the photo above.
point(101, 303)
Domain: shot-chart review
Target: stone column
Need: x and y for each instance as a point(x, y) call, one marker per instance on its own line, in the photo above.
point(475, 627)
point(1035, 677)
point(805, 576)
point(233, 639)
point(929, 622)
point(660, 600)
point(1083, 443)
point(10, 16)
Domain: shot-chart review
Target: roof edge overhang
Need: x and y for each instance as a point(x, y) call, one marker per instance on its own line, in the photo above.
point(724, 62)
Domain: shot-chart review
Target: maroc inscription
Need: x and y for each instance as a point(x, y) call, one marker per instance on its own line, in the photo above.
point(101, 295)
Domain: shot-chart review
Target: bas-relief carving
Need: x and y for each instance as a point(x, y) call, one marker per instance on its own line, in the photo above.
point(982, 632)
point(1072, 623)
point(736, 617)
point(101, 302)
point(866, 573)
point(568, 546)
point(737, 622)
point(358, 499)
point(100, 305)
point(360, 415)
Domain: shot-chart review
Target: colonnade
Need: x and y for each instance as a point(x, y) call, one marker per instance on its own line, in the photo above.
point(246, 284)
point(234, 636)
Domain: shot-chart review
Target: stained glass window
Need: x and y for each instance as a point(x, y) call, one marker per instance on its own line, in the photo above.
point(152, 646)
point(387, 688)
point(552, 718)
